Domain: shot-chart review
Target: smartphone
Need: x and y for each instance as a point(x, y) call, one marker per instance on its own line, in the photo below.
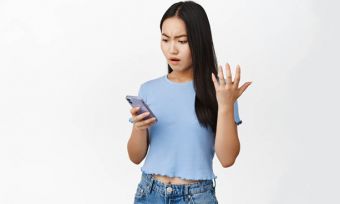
point(136, 101)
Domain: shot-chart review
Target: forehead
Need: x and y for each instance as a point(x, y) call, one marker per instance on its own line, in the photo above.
point(173, 26)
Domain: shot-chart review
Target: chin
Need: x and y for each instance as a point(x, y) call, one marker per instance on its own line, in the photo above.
point(177, 68)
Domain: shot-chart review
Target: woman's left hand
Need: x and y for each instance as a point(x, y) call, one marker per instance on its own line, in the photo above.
point(227, 91)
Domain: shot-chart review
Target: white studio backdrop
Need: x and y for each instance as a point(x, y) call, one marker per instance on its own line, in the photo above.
point(66, 67)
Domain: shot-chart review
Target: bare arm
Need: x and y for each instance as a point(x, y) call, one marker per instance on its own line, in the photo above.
point(138, 143)
point(227, 144)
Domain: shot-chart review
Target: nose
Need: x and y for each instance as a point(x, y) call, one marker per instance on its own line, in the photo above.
point(173, 48)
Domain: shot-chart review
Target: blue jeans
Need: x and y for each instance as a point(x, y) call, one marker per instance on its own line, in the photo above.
point(152, 191)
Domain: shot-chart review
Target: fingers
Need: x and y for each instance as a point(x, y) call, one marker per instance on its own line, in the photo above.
point(228, 73)
point(214, 80)
point(237, 76)
point(134, 110)
point(145, 123)
point(220, 75)
point(229, 80)
point(140, 116)
point(139, 119)
point(221, 80)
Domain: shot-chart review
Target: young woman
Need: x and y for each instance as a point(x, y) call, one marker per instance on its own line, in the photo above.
point(197, 114)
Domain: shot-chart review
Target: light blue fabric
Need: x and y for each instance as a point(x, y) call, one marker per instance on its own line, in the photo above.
point(179, 146)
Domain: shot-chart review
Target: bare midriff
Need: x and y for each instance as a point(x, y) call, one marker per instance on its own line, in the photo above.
point(173, 180)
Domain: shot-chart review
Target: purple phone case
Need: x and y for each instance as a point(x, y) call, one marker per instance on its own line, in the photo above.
point(136, 101)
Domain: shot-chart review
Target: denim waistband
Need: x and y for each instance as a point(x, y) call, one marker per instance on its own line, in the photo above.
point(150, 183)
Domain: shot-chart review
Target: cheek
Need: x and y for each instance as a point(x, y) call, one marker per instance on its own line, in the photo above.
point(187, 53)
point(163, 48)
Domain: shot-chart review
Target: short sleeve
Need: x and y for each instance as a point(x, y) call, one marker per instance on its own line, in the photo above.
point(237, 119)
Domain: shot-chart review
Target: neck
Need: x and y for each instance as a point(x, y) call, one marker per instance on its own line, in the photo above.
point(183, 76)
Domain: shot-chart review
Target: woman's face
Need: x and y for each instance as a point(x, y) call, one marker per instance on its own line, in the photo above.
point(174, 44)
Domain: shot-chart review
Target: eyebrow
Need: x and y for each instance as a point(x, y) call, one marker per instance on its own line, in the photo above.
point(178, 36)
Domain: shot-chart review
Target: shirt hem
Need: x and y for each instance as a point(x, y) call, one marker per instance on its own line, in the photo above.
point(178, 176)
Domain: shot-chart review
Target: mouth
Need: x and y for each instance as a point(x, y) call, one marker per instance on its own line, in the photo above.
point(173, 59)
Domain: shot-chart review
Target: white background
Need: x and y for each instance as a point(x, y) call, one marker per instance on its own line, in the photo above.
point(66, 66)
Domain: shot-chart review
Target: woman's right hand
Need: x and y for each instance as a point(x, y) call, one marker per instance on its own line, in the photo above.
point(138, 120)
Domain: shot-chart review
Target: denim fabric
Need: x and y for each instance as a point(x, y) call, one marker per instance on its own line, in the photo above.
point(152, 191)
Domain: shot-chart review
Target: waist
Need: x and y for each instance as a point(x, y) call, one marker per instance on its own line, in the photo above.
point(198, 186)
point(173, 180)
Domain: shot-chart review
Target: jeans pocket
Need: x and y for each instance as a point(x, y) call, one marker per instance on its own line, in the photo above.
point(207, 197)
point(213, 195)
point(141, 191)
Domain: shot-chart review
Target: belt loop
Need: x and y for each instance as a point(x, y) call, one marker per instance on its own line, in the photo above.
point(152, 180)
point(148, 182)
point(186, 189)
point(214, 183)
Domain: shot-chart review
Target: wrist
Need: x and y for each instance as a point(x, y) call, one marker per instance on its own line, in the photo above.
point(226, 108)
point(137, 129)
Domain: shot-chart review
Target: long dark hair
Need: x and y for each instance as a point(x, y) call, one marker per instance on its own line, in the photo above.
point(203, 58)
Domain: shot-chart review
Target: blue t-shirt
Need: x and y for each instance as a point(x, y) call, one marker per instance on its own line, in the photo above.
point(179, 145)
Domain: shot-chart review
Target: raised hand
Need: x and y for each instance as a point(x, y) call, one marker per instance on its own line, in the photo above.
point(227, 91)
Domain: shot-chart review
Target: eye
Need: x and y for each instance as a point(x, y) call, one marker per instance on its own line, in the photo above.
point(165, 40)
point(182, 41)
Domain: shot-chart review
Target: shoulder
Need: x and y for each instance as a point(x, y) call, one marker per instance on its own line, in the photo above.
point(155, 82)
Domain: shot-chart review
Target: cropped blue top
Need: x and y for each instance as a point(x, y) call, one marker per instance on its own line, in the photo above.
point(179, 145)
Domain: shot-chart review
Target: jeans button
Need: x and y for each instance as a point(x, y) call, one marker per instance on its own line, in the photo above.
point(169, 189)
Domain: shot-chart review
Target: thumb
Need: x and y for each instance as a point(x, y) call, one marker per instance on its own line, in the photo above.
point(244, 87)
point(134, 110)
